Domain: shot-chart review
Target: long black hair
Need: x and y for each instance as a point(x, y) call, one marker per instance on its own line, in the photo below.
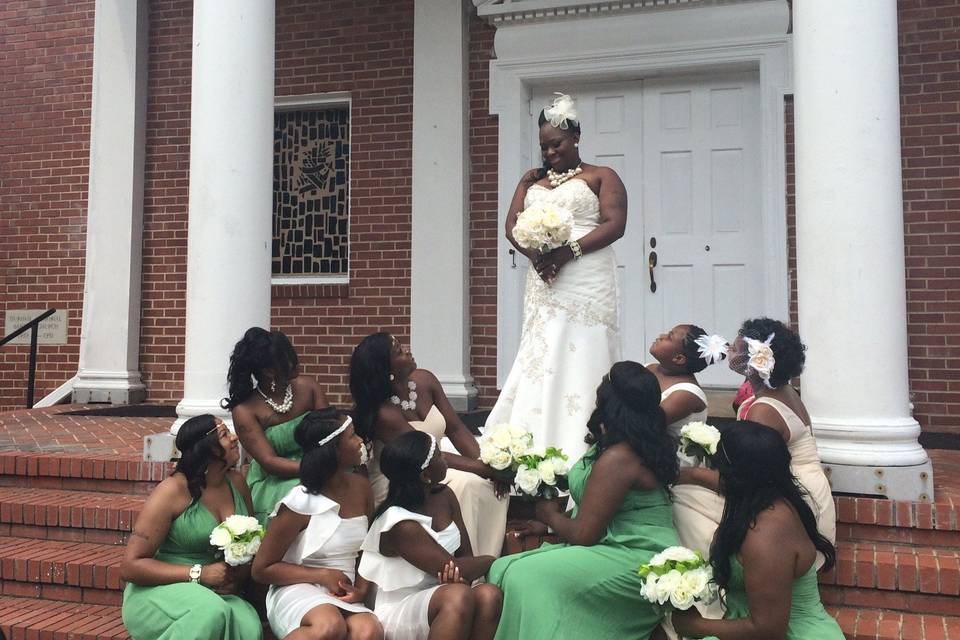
point(573, 128)
point(199, 445)
point(370, 380)
point(628, 407)
point(401, 461)
point(318, 463)
point(754, 465)
point(788, 350)
point(257, 351)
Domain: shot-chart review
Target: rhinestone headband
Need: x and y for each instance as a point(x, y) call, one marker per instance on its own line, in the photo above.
point(341, 429)
point(433, 450)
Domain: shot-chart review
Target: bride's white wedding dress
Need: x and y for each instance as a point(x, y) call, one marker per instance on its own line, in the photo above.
point(571, 335)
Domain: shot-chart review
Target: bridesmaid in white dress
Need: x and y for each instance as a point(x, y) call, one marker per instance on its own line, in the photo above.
point(309, 555)
point(571, 333)
point(418, 552)
point(393, 397)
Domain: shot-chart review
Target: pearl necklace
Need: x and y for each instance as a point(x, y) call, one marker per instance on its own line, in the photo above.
point(411, 402)
point(557, 179)
point(282, 407)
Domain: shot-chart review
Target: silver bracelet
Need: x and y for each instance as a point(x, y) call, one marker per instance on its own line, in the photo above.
point(575, 247)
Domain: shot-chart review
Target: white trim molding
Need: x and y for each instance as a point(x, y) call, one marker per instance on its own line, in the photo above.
point(502, 11)
point(693, 37)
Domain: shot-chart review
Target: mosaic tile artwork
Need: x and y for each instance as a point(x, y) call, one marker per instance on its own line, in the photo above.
point(311, 152)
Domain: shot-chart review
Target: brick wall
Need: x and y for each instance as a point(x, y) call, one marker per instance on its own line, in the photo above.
point(930, 125)
point(46, 55)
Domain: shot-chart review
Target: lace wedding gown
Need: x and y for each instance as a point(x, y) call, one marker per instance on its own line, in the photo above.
point(570, 338)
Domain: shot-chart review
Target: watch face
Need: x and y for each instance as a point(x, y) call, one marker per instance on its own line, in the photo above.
point(194, 573)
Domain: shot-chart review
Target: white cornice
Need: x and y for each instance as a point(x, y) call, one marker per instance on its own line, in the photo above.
point(516, 11)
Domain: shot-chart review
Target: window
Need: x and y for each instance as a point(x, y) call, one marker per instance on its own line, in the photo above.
point(311, 213)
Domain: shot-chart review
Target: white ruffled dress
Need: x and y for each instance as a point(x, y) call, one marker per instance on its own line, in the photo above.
point(403, 591)
point(330, 542)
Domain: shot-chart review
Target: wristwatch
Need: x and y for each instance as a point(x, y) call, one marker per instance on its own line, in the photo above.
point(195, 573)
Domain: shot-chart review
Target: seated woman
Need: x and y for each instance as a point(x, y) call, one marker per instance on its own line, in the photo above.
point(770, 354)
point(268, 399)
point(418, 552)
point(588, 586)
point(309, 555)
point(765, 550)
point(176, 587)
point(393, 397)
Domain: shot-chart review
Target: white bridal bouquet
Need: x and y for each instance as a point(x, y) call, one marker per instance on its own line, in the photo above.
point(238, 537)
point(678, 577)
point(542, 475)
point(501, 445)
point(543, 227)
point(699, 440)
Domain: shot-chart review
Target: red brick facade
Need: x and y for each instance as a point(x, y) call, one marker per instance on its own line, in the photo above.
point(367, 50)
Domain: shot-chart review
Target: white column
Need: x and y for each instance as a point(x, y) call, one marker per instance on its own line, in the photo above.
point(231, 191)
point(110, 329)
point(439, 287)
point(850, 247)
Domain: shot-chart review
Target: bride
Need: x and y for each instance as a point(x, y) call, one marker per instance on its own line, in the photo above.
point(571, 334)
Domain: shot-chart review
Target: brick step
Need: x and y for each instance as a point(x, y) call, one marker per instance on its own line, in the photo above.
point(78, 516)
point(87, 472)
point(55, 570)
point(893, 568)
point(859, 623)
point(908, 523)
point(23, 618)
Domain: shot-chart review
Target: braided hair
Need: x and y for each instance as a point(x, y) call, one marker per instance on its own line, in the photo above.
point(628, 408)
point(257, 351)
point(199, 445)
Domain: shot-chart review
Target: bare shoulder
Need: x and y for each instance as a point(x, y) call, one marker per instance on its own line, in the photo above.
point(424, 377)
point(171, 495)
point(617, 459)
point(776, 521)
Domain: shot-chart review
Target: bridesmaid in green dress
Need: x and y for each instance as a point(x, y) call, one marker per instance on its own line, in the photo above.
point(268, 399)
point(176, 588)
point(764, 551)
point(588, 586)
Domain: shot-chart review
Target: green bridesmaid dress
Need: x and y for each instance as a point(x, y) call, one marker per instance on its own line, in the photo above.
point(808, 619)
point(184, 610)
point(266, 489)
point(567, 591)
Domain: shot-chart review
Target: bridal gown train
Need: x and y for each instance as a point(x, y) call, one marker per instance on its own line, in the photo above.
point(570, 337)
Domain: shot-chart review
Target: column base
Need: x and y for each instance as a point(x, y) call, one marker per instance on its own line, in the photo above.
point(113, 387)
point(190, 407)
point(461, 392)
point(913, 483)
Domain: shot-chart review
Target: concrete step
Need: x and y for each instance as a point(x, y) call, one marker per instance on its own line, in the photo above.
point(63, 571)
point(23, 618)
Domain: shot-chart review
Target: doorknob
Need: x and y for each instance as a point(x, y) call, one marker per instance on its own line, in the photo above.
point(651, 263)
point(513, 258)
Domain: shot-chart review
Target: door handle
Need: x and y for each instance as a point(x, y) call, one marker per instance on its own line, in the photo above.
point(651, 263)
point(513, 258)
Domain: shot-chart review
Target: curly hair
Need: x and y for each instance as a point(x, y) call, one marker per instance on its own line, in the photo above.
point(628, 408)
point(754, 466)
point(257, 351)
point(318, 463)
point(199, 445)
point(370, 380)
point(788, 350)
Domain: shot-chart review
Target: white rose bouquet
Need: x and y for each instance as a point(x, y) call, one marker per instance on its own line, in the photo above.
point(699, 440)
point(502, 445)
point(678, 577)
point(543, 227)
point(238, 537)
point(542, 475)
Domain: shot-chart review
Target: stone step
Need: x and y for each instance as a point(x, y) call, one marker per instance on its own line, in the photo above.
point(923, 524)
point(89, 472)
point(22, 618)
point(864, 623)
point(77, 516)
point(62, 571)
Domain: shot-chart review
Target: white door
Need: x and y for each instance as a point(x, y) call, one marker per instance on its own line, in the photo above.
point(703, 236)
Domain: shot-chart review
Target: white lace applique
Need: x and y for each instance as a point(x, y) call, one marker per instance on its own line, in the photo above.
point(573, 403)
point(572, 348)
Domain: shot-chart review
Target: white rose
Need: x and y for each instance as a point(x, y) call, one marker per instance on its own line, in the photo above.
point(519, 447)
point(678, 554)
point(518, 432)
point(500, 438)
point(702, 434)
point(501, 460)
point(487, 451)
point(236, 554)
point(681, 598)
point(695, 581)
point(220, 537)
point(560, 466)
point(649, 589)
point(239, 525)
point(528, 480)
point(547, 472)
point(253, 546)
point(667, 584)
point(551, 219)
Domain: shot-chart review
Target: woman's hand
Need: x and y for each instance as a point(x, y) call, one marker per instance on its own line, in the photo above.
point(450, 574)
point(219, 577)
point(685, 622)
point(336, 582)
point(546, 509)
point(531, 528)
point(352, 593)
point(548, 264)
